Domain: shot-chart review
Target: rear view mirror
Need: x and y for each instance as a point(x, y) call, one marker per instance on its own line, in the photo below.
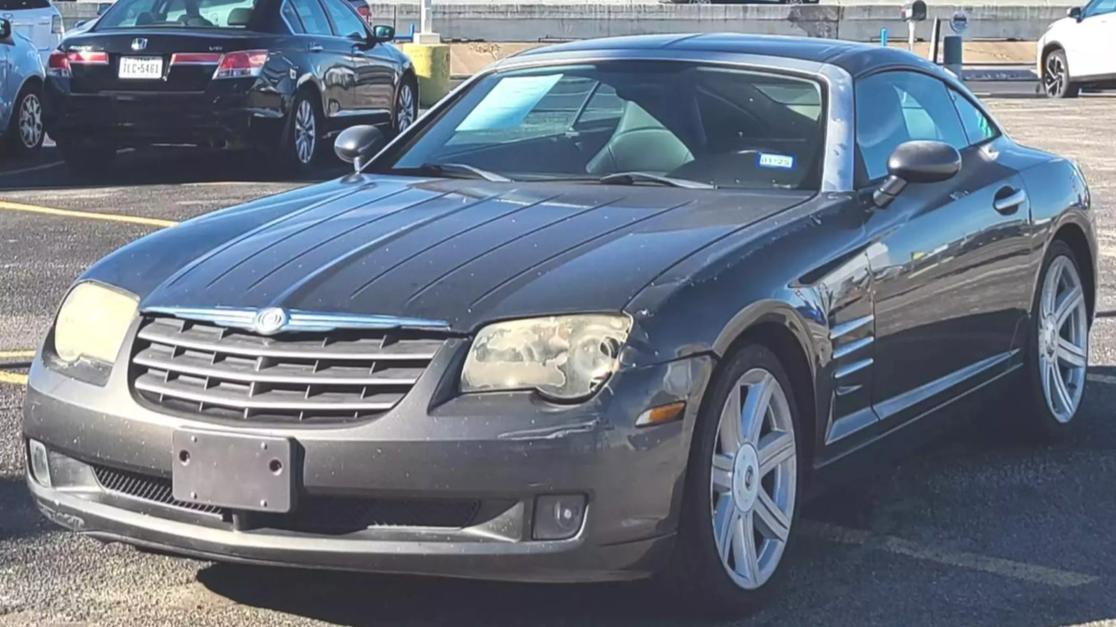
point(917, 162)
point(5, 29)
point(358, 144)
point(383, 32)
point(1075, 13)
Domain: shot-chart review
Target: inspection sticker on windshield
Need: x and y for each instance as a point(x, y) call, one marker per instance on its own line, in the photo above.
point(768, 160)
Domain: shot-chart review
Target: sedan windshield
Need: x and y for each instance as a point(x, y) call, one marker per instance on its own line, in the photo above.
point(627, 123)
point(178, 14)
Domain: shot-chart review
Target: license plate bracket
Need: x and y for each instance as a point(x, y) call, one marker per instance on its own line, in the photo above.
point(237, 471)
point(140, 68)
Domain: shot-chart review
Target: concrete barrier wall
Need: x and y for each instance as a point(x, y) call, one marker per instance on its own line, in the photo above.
point(538, 21)
point(860, 22)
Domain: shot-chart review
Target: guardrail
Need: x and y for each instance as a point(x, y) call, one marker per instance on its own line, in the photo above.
point(537, 21)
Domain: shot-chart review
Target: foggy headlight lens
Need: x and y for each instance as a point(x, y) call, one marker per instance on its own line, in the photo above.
point(562, 357)
point(92, 323)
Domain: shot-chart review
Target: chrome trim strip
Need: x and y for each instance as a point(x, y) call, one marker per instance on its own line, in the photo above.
point(299, 320)
point(856, 366)
point(847, 349)
point(846, 328)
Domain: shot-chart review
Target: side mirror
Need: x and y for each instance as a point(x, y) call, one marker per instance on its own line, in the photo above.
point(917, 162)
point(1075, 13)
point(383, 32)
point(358, 144)
point(5, 29)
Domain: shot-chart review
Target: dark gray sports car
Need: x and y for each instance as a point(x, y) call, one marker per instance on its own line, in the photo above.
point(605, 312)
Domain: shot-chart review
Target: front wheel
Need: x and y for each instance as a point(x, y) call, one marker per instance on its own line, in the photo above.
point(406, 106)
point(1058, 347)
point(25, 132)
point(1056, 81)
point(742, 486)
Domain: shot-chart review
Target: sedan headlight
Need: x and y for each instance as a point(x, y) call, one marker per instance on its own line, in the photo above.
point(92, 323)
point(562, 357)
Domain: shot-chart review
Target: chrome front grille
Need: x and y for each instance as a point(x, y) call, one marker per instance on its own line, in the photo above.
point(207, 370)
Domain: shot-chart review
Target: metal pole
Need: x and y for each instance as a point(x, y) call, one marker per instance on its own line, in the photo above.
point(935, 39)
point(424, 17)
point(910, 36)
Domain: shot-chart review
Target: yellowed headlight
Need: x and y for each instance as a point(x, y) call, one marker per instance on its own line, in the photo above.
point(92, 323)
point(562, 357)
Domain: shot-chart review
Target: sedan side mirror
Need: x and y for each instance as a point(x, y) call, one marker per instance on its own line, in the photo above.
point(917, 162)
point(358, 144)
point(1075, 13)
point(383, 32)
point(5, 29)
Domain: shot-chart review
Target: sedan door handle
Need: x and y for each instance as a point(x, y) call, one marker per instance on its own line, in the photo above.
point(1008, 200)
point(316, 48)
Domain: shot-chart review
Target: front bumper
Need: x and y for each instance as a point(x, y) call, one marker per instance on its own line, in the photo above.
point(503, 451)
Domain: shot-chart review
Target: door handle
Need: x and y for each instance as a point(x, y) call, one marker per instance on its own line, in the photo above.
point(316, 48)
point(1008, 200)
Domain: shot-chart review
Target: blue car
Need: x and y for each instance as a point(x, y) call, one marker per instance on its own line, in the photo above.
point(21, 85)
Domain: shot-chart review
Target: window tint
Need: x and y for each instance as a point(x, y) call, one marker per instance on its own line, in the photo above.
point(978, 127)
point(291, 17)
point(178, 14)
point(346, 22)
point(1100, 7)
point(21, 5)
point(895, 107)
point(312, 16)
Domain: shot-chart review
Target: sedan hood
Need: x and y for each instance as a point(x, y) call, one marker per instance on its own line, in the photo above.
point(462, 252)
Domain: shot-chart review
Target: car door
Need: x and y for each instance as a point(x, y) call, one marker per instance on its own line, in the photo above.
point(373, 68)
point(948, 260)
point(327, 54)
point(1091, 46)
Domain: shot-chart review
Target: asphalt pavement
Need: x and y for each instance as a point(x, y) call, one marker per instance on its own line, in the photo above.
point(979, 528)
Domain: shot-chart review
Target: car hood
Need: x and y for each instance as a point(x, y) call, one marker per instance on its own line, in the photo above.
point(462, 252)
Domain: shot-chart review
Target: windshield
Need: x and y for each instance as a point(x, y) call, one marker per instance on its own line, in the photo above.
point(668, 122)
point(178, 14)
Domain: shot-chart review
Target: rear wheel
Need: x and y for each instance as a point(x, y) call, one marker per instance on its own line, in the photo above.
point(1058, 351)
point(25, 130)
point(300, 141)
point(742, 487)
point(406, 106)
point(1056, 77)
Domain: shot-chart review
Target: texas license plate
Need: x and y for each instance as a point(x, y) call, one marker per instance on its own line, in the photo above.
point(141, 67)
point(246, 472)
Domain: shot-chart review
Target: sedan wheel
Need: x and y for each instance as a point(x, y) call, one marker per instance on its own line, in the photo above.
point(305, 132)
point(754, 479)
point(1063, 339)
point(26, 131)
point(406, 107)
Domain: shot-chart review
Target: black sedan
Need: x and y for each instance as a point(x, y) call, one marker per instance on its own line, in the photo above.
point(277, 76)
point(607, 312)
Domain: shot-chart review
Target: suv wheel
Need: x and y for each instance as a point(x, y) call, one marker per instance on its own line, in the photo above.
point(25, 132)
point(1056, 77)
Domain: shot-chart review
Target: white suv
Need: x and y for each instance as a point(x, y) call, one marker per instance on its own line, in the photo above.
point(1079, 50)
point(37, 20)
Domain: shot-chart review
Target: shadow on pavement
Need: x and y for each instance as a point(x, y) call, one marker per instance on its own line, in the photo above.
point(19, 519)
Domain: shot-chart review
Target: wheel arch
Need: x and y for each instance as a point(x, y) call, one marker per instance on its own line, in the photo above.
point(1074, 236)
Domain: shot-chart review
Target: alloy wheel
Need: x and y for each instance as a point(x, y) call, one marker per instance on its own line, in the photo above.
point(1063, 339)
point(754, 479)
point(405, 116)
point(1055, 77)
point(306, 132)
point(31, 121)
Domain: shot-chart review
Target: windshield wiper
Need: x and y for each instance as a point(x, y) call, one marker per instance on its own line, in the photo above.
point(461, 169)
point(630, 178)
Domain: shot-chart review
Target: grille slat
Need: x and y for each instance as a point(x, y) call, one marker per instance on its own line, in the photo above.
point(205, 370)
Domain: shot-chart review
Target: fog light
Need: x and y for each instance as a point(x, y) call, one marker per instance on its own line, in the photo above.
point(40, 467)
point(558, 516)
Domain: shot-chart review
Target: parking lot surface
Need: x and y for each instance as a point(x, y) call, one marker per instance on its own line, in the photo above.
point(977, 529)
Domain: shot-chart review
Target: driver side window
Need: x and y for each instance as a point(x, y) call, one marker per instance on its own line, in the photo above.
point(347, 23)
point(896, 107)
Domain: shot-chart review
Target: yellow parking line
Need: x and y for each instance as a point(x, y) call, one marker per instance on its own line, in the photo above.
point(91, 215)
point(17, 354)
point(14, 378)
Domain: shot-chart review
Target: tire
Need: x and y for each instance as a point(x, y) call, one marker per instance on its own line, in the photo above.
point(1056, 77)
point(88, 157)
point(405, 111)
point(738, 495)
point(300, 143)
point(25, 129)
point(1057, 347)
